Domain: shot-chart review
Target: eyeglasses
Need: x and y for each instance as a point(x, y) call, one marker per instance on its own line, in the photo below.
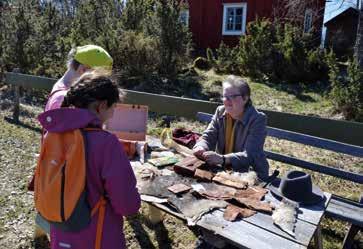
point(230, 97)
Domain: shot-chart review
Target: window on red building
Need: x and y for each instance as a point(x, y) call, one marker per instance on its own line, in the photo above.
point(308, 20)
point(234, 18)
point(184, 17)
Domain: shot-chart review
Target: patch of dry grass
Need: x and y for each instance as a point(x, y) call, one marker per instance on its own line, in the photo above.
point(290, 98)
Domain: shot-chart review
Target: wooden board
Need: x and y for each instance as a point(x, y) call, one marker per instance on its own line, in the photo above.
point(244, 233)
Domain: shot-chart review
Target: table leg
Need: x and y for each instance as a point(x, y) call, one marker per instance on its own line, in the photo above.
point(154, 214)
point(318, 240)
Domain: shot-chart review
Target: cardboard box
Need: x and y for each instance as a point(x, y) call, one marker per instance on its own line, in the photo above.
point(129, 122)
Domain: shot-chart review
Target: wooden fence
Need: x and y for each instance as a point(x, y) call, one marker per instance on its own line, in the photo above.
point(341, 131)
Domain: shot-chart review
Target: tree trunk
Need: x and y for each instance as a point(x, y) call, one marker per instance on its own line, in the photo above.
point(358, 51)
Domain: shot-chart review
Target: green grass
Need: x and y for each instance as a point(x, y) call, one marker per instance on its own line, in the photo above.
point(299, 99)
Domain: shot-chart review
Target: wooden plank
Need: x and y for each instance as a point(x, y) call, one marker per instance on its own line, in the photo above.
point(171, 105)
point(302, 139)
point(311, 214)
point(316, 142)
point(346, 175)
point(345, 210)
point(318, 239)
point(16, 110)
point(29, 81)
point(319, 127)
point(245, 234)
point(304, 231)
point(352, 232)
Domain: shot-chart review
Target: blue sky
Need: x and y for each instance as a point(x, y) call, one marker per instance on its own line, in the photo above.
point(335, 7)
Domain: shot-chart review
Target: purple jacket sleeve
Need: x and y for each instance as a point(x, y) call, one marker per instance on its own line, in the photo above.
point(119, 179)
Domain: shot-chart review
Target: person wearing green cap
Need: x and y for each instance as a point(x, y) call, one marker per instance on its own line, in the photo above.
point(80, 60)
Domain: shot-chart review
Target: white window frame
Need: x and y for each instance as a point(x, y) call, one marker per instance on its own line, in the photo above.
point(186, 11)
point(244, 17)
point(308, 26)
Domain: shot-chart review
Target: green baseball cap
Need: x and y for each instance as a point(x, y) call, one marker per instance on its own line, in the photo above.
point(93, 56)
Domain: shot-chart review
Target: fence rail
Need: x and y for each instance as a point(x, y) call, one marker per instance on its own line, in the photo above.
point(341, 131)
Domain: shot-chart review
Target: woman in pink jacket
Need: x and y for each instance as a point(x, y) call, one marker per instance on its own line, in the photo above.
point(109, 172)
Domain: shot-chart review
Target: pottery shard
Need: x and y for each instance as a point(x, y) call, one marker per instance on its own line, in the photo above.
point(203, 175)
point(233, 212)
point(229, 180)
point(179, 188)
point(255, 204)
point(256, 193)
point(218, 192)
point(188, 166)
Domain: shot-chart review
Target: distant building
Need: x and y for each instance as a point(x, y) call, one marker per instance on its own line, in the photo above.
point(214, 21)
point(341, 32)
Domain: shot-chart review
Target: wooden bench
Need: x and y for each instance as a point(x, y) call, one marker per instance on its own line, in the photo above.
point(339, 207)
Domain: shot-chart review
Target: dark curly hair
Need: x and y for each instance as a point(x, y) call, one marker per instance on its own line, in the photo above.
point(91, 87)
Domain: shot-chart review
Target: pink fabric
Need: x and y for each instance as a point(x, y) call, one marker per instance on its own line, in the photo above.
point(108, 172)
point(56, 96)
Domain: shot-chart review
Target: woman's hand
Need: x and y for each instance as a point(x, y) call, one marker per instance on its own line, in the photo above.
point(213, 158)
point(198, 152)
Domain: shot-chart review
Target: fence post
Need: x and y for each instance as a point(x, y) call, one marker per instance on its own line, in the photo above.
point(16, 90)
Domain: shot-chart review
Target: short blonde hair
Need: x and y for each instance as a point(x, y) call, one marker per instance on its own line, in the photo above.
point(71, 62)
point(240, 84)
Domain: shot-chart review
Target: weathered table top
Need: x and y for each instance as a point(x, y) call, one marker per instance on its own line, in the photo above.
point(258, 231)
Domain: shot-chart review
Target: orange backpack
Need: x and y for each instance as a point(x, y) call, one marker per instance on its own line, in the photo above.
point(60, 183)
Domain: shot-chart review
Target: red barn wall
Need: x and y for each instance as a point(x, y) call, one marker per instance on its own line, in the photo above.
point(206, 19)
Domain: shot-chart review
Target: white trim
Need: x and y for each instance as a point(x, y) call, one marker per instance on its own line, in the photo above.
point(244, 17)
point(308, 12)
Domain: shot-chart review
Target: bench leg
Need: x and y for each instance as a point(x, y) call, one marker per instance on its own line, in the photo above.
point(318, 239)
point(154, 214)
point(349, 237)
point(352, 232)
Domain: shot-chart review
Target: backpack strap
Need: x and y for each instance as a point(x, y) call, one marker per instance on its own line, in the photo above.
point(101, 208)
point(100, 205)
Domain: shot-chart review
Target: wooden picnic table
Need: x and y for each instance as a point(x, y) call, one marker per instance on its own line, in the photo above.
point(258, 231)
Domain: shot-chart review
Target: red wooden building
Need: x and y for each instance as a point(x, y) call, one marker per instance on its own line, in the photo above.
point(213, 21)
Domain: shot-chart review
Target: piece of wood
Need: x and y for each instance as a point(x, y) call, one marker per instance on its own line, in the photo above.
point(346, 210)
point(16, 90)
point(352, 232)
point(346, 175)
point(16, 109)
point(318, 239)
point(244, 234)
point(317, 142)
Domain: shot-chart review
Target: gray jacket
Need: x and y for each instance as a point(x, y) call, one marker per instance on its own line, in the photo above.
point(250, 134)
